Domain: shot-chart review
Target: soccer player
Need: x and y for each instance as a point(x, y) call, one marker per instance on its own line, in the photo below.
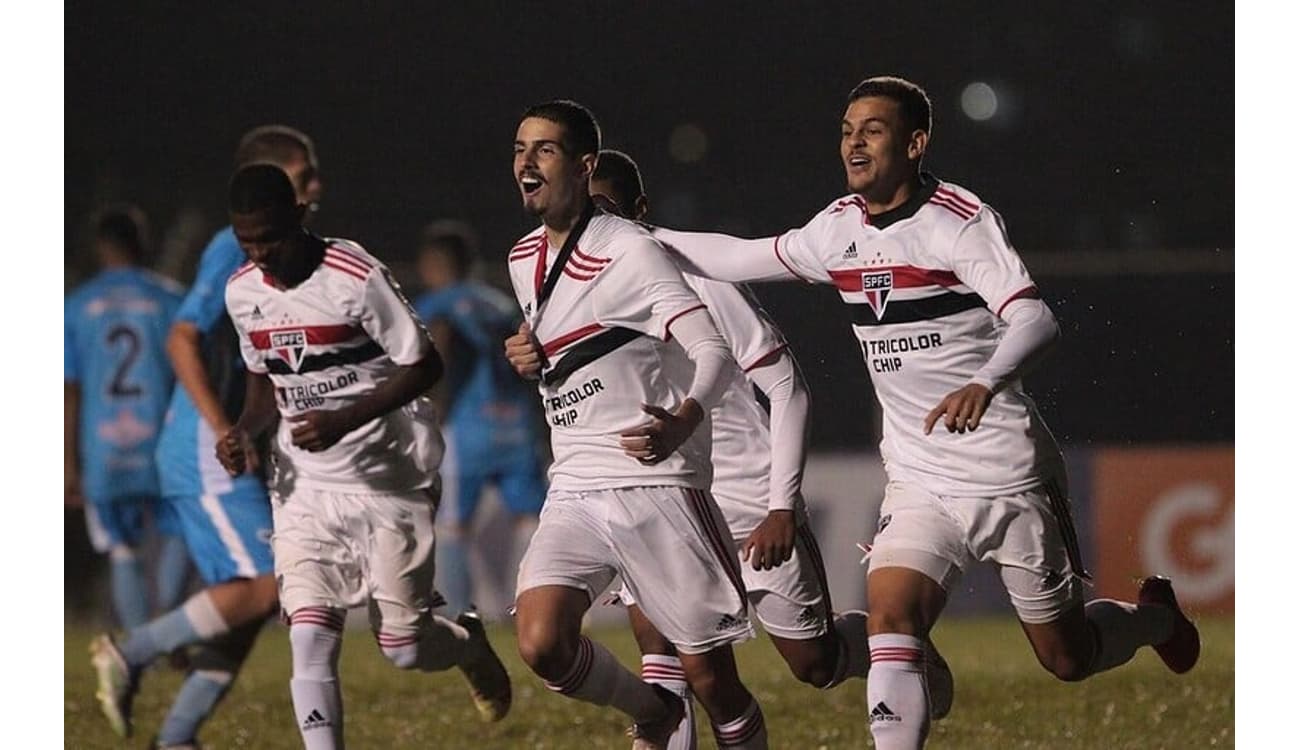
point(948, 321)
point(622, 339)
point(488, 427)
point(226, 521)
point(758, 462)
point(116, 382)
point(338, 363)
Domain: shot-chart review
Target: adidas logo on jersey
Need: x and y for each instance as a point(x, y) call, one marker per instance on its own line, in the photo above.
point(315, 720)
point(256, 314)
point(851, 251)
point(729, 622)
point(882, 713)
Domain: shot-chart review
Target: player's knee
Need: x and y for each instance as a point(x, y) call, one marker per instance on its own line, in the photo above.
point(544, 651)
point(813, 669)
point(1065, 666)
point(264, 595)
point(887, 619)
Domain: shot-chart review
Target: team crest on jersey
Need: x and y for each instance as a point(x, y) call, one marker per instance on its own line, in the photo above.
point(290, 345)
point(877, 286)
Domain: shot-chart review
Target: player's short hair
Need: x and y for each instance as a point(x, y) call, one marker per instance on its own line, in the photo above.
point(278, 144)
point(261, 187)
point(581, 131)
point(621, 170)
point(454, 238)
point(913, 102)
point(126, 227)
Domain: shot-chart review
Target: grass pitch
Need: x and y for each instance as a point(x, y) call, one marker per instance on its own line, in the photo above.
point(1003, 700)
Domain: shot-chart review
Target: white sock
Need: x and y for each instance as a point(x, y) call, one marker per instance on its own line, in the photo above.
point(748, 732)
point(597, 677)
point(438, 645)
point(658, 669)
point(317, 698)
point(898, 699)
point(1121, 628)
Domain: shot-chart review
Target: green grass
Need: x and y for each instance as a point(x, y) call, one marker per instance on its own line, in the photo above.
point(1003, 700)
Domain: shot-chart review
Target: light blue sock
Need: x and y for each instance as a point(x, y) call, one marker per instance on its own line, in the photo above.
point(130, 589)
point(200, 694)
point(196, 620)
point(452, 561)
point(173, 571)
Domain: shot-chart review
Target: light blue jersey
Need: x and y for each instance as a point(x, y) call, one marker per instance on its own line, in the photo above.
point(489, 428)
point(114, 348)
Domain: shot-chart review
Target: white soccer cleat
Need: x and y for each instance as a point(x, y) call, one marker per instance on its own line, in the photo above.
point(116, 685)
point(489, 682)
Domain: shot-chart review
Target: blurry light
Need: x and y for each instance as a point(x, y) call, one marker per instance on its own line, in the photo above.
point(979, 101)
point(688, 143)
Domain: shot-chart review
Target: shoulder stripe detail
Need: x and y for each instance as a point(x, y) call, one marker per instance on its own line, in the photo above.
point(953, 196)
point(579, 275)
point(903, 277)
point(348, 260)
point(241, 271)
point(578, 265)
point(776, 248)
point(577, 253)
point(349, 254)
point(527, 249)
point(668, 334)
point(962, 213)
point(853, 200)
point(328, 334)
point(1029, 292)
point(528, 242)
point(559, 342)
point(349, 270)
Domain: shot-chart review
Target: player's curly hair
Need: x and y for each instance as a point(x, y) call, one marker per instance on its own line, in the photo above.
point(125, 226)
point(581, 131)
point(261, 187)
point(913, 102)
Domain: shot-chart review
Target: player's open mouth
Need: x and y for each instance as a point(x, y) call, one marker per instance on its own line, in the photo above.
point(530, 184)
point(858, 161)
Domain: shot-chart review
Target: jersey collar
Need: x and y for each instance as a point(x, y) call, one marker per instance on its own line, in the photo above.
point(929, 183)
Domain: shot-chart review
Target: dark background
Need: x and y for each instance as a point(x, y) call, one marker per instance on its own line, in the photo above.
point(1108, 156)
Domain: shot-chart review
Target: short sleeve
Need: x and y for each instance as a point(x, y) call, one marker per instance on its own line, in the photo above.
point(71, 364)
point(750, 334)
point(205, 303)
point(390, 321)
point(643, 290)
point(799, 250)
point(984, 260)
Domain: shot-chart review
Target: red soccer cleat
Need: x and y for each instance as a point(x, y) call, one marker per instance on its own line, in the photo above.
point(1183, 648)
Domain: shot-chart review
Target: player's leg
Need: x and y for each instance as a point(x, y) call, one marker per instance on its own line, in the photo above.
point(116, 527)
point(695, 598)
point(399, 555)
point(460, 497)
point(172, 569)
point(917, 554)
point(212, 671)
point(660, 665)
point(567, 564)
point(1040, 566)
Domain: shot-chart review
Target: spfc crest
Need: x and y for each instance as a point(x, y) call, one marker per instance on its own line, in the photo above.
point(877, 285)
point(289, 346)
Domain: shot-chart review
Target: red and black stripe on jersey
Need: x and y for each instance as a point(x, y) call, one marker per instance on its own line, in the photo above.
point(943, 302)
point(277, 364)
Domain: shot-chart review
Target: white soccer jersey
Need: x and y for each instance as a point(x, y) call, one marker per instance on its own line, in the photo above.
point(926, 282)
point(605, 334)
point(327, 343)
point(742, 441)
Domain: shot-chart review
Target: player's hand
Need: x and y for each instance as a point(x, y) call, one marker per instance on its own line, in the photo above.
point(772, 543)
point(319, 429)
point(524, 352)
point(236, 452)
point(961, 410)
point(72, 497)
point(656, 440)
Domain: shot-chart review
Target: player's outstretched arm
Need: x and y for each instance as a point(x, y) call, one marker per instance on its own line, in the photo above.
point(183, 349)
point(723, 257)
point(777, 375)
point(318, 430)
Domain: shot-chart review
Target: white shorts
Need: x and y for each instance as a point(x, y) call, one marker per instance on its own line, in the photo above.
point(1029, 536)
point(670, 545)
point(792, 600)
point(344, 550)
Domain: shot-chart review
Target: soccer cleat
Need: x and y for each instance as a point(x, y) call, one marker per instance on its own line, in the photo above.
point(654, 735)
point(489, 683)
point(117, 685)
point(939, 679)
point(1183, 648)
